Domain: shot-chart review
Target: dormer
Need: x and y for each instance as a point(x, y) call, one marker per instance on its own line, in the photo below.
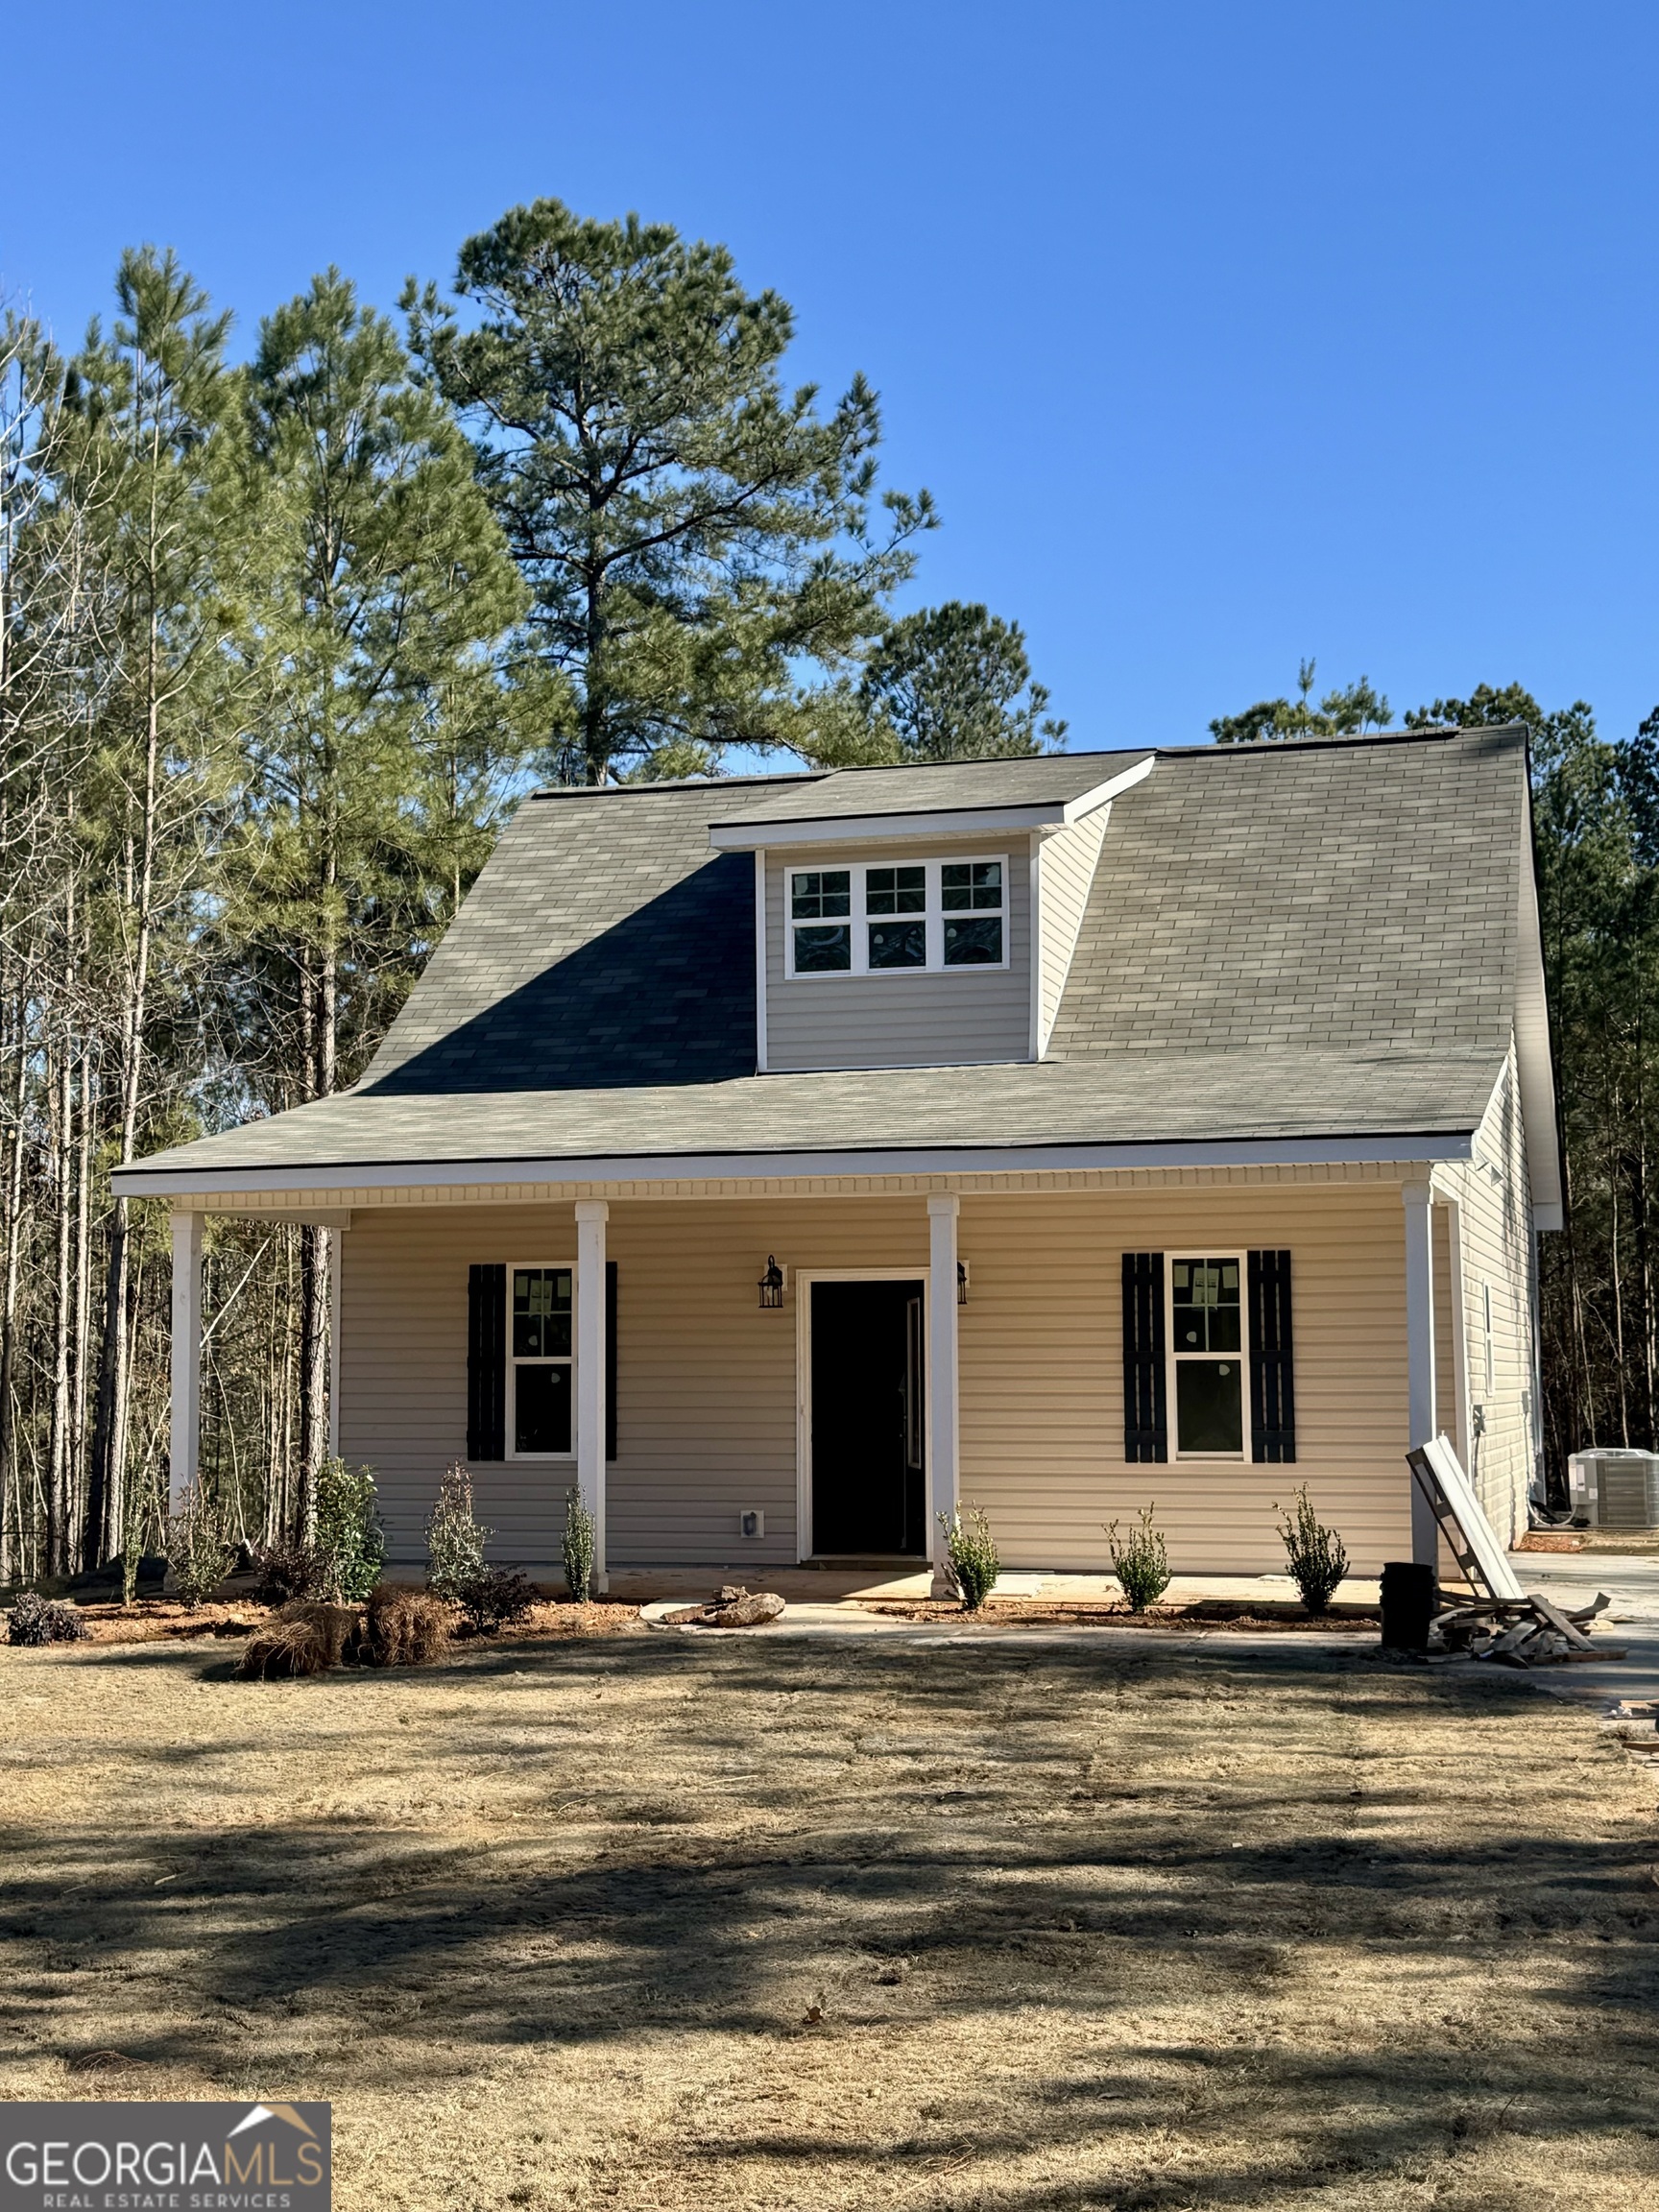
point(921, 917)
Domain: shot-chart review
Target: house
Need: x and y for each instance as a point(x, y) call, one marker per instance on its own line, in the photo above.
point(786, 1158)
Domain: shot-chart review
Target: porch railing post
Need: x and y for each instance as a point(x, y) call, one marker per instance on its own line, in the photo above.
point(185, 1440)
point(943, 1378)
point(1420, 1354)
point(592, 1216)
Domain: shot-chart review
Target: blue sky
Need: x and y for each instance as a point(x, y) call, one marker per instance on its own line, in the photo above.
point(1223, 334)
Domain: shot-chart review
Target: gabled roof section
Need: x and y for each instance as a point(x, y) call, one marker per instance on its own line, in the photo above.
point(947, 798)
point(1327, 945)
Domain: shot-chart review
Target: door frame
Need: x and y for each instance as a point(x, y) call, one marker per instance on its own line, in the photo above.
point(804, 1278)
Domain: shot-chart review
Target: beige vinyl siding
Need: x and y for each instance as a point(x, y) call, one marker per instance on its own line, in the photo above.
point(916, 1019)
point(1066, 861)
point(1494, 1200)
point(708, 1380)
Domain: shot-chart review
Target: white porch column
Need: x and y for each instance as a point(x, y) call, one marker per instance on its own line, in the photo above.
point(184, 1445)
point(1420, 1354)
point(943, 1450)
point(592, 1216)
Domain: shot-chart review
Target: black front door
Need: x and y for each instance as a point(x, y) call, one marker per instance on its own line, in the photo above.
point(868, 1434)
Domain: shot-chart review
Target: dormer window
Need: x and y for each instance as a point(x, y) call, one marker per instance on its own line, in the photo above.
point(915, 915)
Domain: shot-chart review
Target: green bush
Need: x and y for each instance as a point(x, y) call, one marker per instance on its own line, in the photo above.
point(199, 1547)
point(348, 1533)
point(970, 1552)
point(1318, 1558)
point(1140, 1562)
point(455, 1540)
point(580, 1543)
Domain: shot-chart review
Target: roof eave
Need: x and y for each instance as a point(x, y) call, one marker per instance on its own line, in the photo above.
point(196, 1188)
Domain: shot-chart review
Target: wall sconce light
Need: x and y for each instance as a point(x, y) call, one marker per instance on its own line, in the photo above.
point(772, 1285)
point(961, 1281)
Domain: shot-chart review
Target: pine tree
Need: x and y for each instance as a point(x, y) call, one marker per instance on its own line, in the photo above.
point(156, 405)
point(698, 543)
point(383, 736)
point(953, 682)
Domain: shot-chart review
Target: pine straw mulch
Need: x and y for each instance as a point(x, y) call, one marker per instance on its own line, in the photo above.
point(166, 1620)
point(1251, 1616)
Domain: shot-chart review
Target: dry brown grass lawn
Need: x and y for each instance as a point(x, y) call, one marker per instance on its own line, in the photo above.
point(653, 1922)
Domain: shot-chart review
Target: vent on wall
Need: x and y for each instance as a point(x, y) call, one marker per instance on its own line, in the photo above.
point(751, 1523)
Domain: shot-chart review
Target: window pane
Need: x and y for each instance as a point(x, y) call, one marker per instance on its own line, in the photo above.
point(820, 951)
point(1207, 1313)
point(970, 883)
point(1209, 1406)
point(972, 944)
point(899, 945)
point(895, 890)
point(542, 1409)
point(821, 891)
point(540, 1312)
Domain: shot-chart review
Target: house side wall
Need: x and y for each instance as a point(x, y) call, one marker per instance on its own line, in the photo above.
point(913, 1020)
point(708, 1382)
point(1494, 1198)
point(1067, 861)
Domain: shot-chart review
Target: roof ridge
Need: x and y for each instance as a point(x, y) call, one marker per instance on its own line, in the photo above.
point(1272, 747)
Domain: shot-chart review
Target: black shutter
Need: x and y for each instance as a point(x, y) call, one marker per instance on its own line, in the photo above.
point(1145, 1421)
point(609, 1359)
point(1272, 1386)
point(487, 1363)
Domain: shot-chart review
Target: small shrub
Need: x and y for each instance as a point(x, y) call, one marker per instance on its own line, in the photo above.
point(971, 1551)
point(292, 1572)
point(37, 1619)
point(496, 1596)
point(1140, 1562)
point(1317, 1555)
point(455, 1540)
point(404, 1627)
point(348, 1532)
point(304, 1640)
point(580, 1544)
point(199, 1546)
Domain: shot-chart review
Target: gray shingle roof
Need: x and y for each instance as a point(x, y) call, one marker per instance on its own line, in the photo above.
point(1281, 940)
point(1131, 1098)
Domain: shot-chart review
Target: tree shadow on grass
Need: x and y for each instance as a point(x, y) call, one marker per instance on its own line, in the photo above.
point(1006, 1833)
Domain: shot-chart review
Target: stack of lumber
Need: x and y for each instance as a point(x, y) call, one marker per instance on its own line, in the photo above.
point(1528, 1631)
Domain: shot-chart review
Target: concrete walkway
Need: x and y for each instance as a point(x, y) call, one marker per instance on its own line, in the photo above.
point(1630, 1623)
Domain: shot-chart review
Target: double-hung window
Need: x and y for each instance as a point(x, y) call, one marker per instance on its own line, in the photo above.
point(1206, 1351)
point(540, 1409)
point(913, 916)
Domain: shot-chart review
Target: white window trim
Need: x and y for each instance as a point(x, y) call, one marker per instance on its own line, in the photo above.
point(860, 918)
point(1173, 1358)
point(513, 1363)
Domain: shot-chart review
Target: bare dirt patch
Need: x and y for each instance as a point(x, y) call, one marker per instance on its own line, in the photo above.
point(651, 1921)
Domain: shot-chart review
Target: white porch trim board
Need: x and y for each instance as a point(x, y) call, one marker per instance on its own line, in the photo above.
point(592, 1216)
point(943, 1392)
point(185, 1440)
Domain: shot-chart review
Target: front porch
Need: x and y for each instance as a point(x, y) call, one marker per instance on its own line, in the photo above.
point(693, 1415)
